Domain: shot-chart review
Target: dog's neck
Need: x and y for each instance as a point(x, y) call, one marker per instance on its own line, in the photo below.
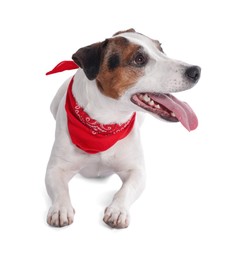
point(99, 107)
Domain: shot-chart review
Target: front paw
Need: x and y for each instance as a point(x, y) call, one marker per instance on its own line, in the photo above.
point(116, 217)
point(60, 215)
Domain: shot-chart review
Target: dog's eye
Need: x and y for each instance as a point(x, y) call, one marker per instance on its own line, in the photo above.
point(140, 59)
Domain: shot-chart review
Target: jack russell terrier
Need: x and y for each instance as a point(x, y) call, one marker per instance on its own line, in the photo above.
point(97, 119)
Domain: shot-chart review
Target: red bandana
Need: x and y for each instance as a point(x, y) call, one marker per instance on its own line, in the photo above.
point(64, 65)
point(85, 132)
point(88, 134)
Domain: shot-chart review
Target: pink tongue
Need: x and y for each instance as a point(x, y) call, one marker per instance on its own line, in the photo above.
point(182, 110)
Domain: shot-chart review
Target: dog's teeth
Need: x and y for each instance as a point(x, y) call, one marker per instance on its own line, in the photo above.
point(157, 106)
point(172, 114)
point(146, 98)
point(151, 103)
point(141, 96)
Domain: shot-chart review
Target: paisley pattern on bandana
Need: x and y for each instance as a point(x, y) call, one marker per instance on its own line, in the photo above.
point(95, 126)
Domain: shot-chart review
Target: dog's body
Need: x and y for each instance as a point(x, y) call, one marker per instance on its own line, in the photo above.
point(112, 84)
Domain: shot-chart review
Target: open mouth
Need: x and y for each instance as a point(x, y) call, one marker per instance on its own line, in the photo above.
point(167, 107)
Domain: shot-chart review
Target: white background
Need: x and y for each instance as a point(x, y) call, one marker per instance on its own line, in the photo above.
point(186, 210)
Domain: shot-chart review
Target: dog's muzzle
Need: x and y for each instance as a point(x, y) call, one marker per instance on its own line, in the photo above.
point(167, 106)
point(193, 73)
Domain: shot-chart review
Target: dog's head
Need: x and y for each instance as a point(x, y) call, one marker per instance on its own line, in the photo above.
point(132, 68)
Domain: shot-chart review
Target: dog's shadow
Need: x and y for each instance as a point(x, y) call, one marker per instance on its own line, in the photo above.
point(100, 191)
point(103, 188)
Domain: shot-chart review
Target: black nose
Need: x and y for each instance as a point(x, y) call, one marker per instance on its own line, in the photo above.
point(193, 73)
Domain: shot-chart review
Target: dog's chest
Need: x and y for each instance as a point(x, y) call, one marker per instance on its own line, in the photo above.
point(98, 166)
point(94, 170)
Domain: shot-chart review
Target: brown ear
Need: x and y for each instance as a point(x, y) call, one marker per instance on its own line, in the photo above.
point(89, 58)
point(129, 30)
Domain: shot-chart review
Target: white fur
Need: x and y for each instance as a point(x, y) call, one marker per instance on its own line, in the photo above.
point(125, 158)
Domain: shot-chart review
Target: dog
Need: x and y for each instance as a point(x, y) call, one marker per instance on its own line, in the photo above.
point(97, 114)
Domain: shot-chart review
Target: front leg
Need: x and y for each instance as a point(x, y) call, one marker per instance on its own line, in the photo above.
point(61, 212)
point(117, 213)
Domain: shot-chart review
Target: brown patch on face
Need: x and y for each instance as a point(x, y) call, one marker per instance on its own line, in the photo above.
point(117, 72)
